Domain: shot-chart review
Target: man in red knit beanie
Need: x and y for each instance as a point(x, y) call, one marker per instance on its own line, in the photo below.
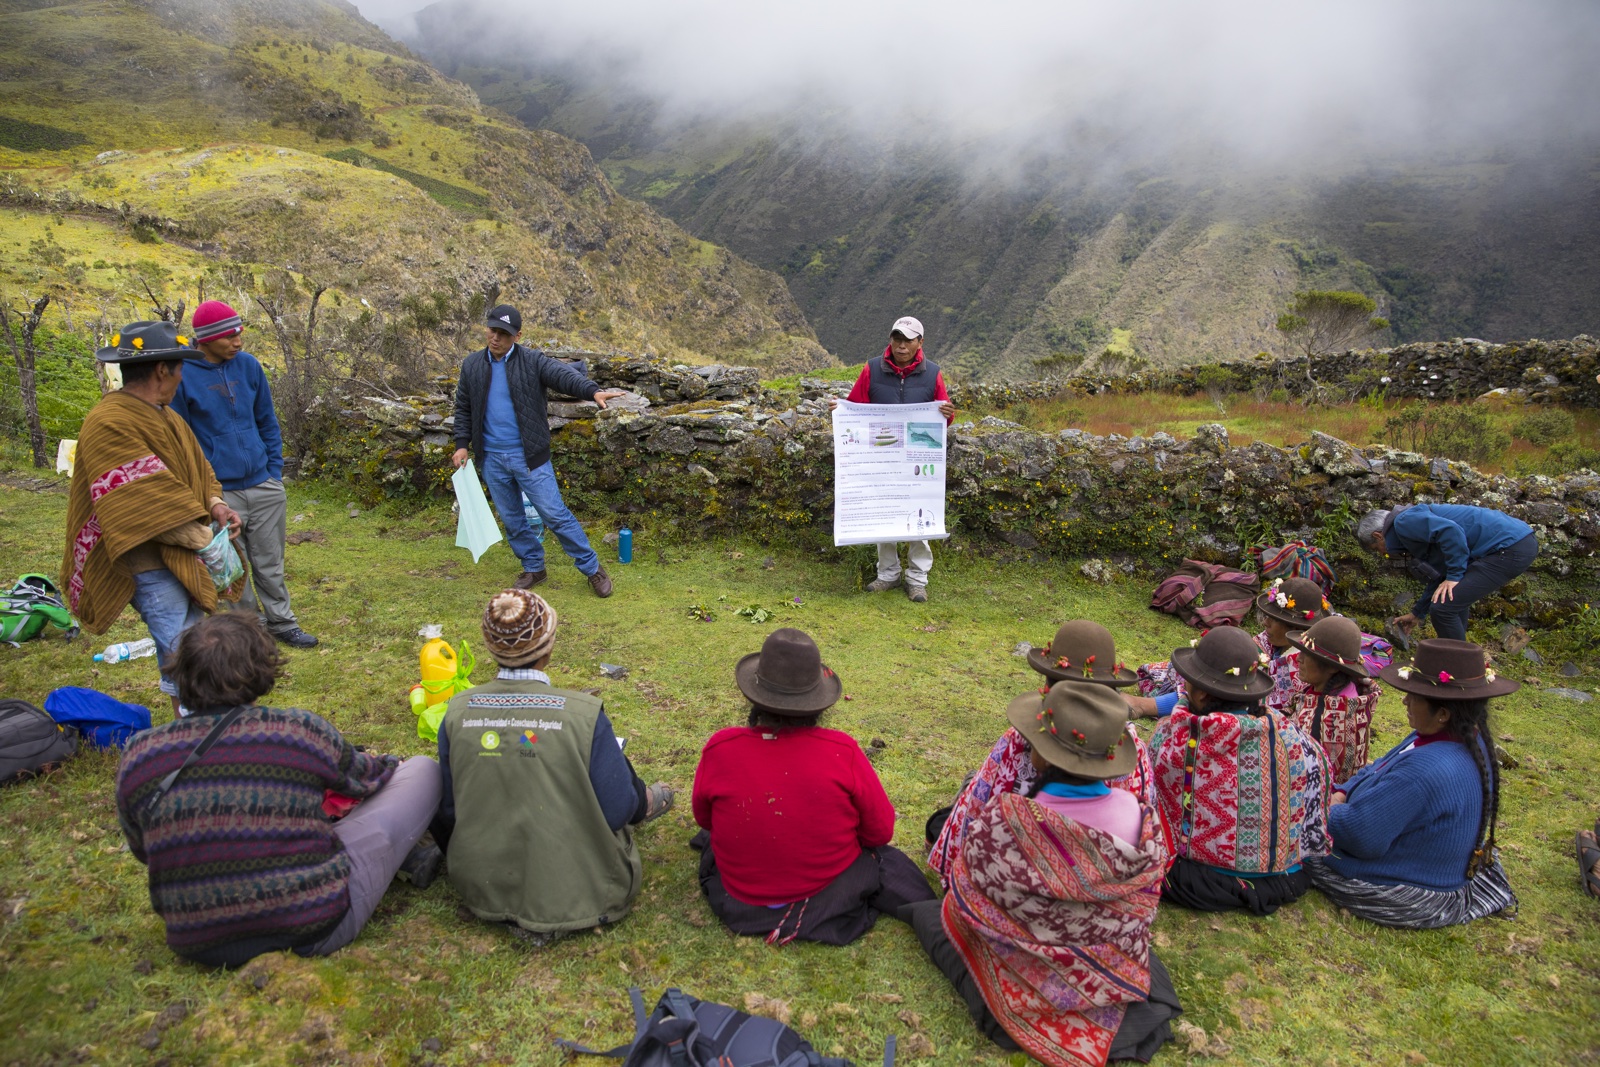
point(225, 399)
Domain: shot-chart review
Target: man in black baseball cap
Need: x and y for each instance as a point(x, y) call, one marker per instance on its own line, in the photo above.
point(500, 414)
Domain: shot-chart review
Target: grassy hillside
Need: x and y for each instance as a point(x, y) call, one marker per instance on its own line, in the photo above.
point(85, 975)
point(1195, 258)
point(292, 146)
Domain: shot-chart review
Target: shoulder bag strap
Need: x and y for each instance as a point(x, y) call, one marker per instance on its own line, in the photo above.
point(195, 756)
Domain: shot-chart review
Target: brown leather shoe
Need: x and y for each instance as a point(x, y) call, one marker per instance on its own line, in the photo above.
point(529, 579)
point(600, 582)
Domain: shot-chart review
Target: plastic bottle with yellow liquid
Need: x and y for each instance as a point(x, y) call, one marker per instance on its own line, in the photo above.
point(438, 662)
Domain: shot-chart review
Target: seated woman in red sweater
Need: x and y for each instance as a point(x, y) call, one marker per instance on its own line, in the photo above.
point(795, 824)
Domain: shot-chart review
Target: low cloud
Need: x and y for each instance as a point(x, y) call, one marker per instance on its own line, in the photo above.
point(1259, 79)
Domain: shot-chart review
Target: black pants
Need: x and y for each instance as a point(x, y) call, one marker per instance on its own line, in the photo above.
point(1146, 1026)
point(1203, 888)
point(880, 880)
point(1485, 575)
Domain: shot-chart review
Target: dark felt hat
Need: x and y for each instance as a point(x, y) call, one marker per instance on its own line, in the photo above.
point(1296, 601)
point(140, 342)
point(1083, 729)
point(1335, 641)
point(504, 317)
point(1081, 651)
point(788, 675)
point(1442, 669)
point(1225, 662)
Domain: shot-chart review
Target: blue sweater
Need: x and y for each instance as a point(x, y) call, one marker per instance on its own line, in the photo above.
point(1448, 537)
point(229, 408)
point(1411, 818)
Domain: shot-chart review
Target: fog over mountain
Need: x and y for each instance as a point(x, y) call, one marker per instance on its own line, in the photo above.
point(1277, 82)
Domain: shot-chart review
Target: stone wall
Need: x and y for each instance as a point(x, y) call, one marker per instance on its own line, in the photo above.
point(1555, 372)
point(708, 449)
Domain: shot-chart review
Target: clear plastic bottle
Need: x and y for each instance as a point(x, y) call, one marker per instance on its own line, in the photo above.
point(122, 650)
point(535, 523)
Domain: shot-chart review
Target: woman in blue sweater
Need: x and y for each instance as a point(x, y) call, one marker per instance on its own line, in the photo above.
point(1413, 833)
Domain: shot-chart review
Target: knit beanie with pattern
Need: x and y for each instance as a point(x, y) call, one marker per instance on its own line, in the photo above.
point(519, 628)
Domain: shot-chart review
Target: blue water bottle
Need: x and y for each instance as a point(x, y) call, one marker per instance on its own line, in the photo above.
point(625, 545)
point(535, 523)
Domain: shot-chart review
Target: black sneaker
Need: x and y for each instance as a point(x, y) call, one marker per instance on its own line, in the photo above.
point(295, 637)
point(421, 865)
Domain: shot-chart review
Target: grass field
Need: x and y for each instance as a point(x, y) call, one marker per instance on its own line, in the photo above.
point(85, 976)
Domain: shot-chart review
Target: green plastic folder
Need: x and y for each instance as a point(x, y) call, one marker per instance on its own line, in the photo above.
point(476, 529)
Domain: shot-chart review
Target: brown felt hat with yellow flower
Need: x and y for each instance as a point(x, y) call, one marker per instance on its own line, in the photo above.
point(1297, 601)
point(139, 342)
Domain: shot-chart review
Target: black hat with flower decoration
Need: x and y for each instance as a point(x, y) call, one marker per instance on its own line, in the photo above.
point(1296, 601)
point(1442, 669)
point(139, 342)
point(1225, 662)
point(1083, 729)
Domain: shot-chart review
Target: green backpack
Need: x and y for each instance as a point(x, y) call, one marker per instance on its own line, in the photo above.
point(31, 603)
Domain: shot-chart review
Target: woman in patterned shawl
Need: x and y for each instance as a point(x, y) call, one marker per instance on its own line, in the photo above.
point(1333, 696)
point(1244, 789)
point(1081, 652)
point(1045, 932)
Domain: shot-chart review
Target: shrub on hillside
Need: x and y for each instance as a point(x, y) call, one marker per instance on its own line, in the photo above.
point(1464, 433)
point(1546, 426)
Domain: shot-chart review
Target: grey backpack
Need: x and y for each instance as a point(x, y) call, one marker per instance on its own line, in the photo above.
point(30, 740)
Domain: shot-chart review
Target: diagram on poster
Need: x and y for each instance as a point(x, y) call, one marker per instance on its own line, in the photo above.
point(888, 473)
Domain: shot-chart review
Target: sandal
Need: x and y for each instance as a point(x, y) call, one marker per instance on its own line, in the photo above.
point(1588, 850)
point(658, 801)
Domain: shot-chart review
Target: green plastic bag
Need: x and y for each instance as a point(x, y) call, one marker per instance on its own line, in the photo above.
point(476, 530)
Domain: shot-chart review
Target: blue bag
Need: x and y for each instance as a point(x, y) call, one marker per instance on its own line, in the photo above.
point(102, 720)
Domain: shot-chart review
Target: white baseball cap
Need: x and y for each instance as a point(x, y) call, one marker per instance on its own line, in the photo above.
point(907, 326)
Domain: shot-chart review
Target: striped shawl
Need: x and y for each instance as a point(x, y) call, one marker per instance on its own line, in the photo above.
point(1249, 795)
point(139, 473)
point(1052, 918)
point(242, 859)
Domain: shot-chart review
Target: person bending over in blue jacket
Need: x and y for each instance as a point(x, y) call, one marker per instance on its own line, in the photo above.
point(1467, 552)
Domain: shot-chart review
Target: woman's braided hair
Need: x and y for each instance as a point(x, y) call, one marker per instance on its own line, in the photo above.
point(1469, 724)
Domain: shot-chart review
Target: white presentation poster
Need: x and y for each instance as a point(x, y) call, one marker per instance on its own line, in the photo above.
point(888, 473)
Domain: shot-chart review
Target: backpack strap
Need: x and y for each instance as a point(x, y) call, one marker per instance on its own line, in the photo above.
point(195, 756)
point(641, 1019)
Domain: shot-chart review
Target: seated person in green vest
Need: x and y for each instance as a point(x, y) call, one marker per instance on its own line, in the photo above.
point(539, 802)
point(795, 823)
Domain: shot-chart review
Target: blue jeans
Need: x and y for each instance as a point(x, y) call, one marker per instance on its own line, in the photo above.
point(164, 605)
point(508, 477)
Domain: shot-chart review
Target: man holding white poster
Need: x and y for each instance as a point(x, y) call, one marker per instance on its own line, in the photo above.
point(889, 465)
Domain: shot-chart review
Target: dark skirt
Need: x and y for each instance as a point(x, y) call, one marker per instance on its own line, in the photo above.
point(1204, 888)
point(1146, 1026)
point(880, 880)
point(1413, 907)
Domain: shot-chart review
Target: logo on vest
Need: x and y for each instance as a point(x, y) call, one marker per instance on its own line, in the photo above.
point(491, 740)
point(526, 741)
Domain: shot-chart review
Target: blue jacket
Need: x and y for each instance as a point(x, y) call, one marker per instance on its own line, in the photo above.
point(1411, 818)
point(229, 408)
point(1448, 537)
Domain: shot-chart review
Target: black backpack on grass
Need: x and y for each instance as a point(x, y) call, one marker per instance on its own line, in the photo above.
point(686, 1032)
point(31, 741)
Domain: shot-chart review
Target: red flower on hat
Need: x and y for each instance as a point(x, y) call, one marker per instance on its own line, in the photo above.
point(1444, 677)
point(1078, 736)
point(1063, 662)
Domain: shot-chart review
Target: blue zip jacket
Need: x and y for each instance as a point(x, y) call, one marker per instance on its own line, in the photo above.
point(1448, 537)
point(229, 408)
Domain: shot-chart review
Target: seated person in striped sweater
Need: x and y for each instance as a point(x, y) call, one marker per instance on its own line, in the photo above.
point(225, 807)
point(1413, 833)
point(1244, 789)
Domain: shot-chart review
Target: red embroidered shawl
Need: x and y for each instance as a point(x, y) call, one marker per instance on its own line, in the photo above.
point(1345, 729)
point(1053, 920)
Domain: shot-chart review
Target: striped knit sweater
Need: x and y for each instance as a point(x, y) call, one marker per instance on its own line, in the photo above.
point(242, 860)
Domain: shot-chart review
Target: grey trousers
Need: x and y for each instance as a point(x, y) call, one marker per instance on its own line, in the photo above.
point(919, 561)
point(377, 835)
point(264, 513)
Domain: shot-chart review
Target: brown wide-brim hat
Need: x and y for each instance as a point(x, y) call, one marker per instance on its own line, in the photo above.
point(788, 675)
point(1083, 729)
point(1225, 662)
point(1082, 651)
point(1297, 601)
point(1442, 669)
point(140, 342)
point(1335, 641)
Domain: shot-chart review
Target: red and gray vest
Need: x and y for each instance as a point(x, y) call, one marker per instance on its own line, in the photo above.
point(887, 387)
